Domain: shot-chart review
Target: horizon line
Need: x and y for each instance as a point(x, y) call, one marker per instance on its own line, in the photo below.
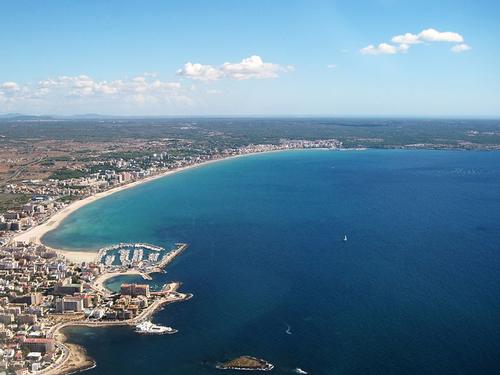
point(81, 116)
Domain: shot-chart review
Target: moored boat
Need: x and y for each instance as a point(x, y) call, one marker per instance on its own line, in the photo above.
point(149, 328)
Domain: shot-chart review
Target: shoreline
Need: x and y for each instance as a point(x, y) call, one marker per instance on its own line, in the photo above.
point(75, 358)
point(35, 234)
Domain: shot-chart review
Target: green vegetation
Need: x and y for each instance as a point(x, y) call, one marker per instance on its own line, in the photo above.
point(68, 198)
point(126, 155)
point(60, 158)
point(12, 201)
point(66, 174)
point(204, 133)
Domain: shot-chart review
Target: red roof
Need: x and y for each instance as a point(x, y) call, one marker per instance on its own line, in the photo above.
point(37, 340)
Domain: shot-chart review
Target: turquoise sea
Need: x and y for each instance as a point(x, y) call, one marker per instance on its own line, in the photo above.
point(414, 290)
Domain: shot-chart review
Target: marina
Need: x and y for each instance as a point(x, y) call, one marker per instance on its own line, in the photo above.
point(142, 257)
point(143, 268)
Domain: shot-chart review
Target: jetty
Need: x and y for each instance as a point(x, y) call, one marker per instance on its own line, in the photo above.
point(170, 256)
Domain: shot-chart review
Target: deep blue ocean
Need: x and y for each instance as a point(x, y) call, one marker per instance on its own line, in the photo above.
point(414, 290)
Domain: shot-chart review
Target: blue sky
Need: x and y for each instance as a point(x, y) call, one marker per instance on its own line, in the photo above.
point(261, 57)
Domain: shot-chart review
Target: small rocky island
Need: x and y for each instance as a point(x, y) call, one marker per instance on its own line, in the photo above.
point(246, 362)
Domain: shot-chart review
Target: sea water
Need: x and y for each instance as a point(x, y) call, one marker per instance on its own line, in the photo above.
point(414, 289)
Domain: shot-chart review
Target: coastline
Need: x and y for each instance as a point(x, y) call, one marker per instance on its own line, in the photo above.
point(75, 358)
point(35, 234)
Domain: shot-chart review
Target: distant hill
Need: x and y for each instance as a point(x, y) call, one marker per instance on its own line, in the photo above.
point(28, 117)
point(89, 116)
point(23, 117)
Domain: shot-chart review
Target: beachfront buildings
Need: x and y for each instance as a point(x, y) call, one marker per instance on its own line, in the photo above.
point(69, 304)
point(135, 290)
point(27, 275)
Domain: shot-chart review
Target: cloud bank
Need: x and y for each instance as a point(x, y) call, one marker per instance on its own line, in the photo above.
point(141, 89)
point(83, 91)
point(401, 43)
point(252, 67)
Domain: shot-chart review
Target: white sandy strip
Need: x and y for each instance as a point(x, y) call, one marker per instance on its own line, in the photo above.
point(35, 234)
point(100, 280)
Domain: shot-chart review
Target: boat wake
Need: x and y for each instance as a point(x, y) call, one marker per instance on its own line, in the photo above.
point(298, 370)
point(288, 329)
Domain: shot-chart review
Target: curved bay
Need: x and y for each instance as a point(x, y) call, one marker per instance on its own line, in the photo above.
point(413, 290)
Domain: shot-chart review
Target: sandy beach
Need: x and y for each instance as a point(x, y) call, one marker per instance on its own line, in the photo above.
point(73, 359)
point(35, 234)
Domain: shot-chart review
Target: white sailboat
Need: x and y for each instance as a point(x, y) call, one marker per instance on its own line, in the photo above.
point(345, 237)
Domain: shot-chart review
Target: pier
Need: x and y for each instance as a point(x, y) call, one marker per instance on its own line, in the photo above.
point(170, 256)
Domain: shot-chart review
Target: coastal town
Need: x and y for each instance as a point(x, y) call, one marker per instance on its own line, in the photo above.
point(42, 293)
point(44, 290)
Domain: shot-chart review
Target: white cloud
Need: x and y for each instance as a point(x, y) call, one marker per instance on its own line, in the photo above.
point(214, 92)
point(381, 49)
point(403, 48)
point(200, 72)
point(82, 93)
point(165, 85)
point(84, 89)
point(80, 85)
point(459, 48)
point(9, 87)
point(84, 86)
point(331, 66)
point(403, 42)
point(252, 67)
point(432, 35)
point(407, 38)
point(10, 91)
